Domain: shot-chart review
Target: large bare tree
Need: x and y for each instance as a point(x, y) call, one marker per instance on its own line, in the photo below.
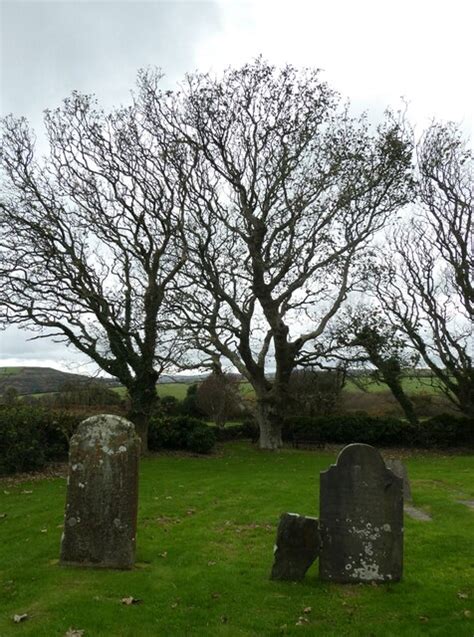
point(426, 287)
point(286, 191)
point(91, 238)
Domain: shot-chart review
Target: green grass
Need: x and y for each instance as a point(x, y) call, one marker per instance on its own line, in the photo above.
point(9, 371)
point(215, 518)
point(178, 390)
point(411, 385)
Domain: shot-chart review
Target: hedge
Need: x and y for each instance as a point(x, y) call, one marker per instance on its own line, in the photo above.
point(444, 430)
point(182, 432)
point(30, 437)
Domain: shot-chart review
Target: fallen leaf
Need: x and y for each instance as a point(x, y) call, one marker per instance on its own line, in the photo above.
point(174, 605)
point(130, 601)
point(20, 618)
point(211, 563)
point(224, 619)
point(307, 610)
point(164, 554)
point(74, 632)
point(3, 515)
point(44, 530)
point(302, 621)
point(467, 613)
point(27, 492)
point(424, 619)
point(462, 595)
point(191, 511)
point(168, 497)
point(6, 492)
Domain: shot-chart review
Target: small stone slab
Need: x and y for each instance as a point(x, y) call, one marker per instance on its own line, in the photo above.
point(297, 546)
point(400, 470)
point(101, 506)
point(361, 519)
point(417, 514)
point(468, 503)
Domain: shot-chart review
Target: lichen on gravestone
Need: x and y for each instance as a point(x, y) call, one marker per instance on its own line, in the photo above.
point(361, 519)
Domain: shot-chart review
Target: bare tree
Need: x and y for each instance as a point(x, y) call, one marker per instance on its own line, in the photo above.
point(426, 285)
point(285, 195)
point(91, 238)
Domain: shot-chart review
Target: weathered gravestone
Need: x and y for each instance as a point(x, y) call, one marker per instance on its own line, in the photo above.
point(102, 495)
point(400, 470)
point(361, 519)
point(296, 548)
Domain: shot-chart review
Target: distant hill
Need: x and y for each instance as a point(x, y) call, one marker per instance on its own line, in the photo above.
point(41, 380)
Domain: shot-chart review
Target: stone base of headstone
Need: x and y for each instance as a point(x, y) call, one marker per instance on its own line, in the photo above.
point(297, 546)
point(102, 495)
point(361, 519)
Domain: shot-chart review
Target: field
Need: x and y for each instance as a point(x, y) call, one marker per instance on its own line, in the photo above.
point(411, 385)
point(205, 539)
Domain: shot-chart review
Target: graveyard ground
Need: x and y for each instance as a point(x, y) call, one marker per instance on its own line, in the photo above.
point(205, 538)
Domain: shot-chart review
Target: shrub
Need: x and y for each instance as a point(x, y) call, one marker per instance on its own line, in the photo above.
point(445, 430)
point(442, 431)
point(180, 433)
point(169, 406)
point(315, 392)
point(201, 439)
point(30, 437)
point(239, 431)
point(189, 406)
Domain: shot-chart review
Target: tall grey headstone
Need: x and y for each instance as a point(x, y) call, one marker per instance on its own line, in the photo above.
point(296, 548)
point(100, 520)
point(361, 519)
point(400, 470)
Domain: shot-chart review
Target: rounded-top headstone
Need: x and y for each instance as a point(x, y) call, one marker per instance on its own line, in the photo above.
point(361, 518)
point(102, 496)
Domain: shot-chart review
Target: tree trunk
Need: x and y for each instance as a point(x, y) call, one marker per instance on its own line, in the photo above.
point(465, 396)
point(143, 399)
point(270, 423)
point(400, 396)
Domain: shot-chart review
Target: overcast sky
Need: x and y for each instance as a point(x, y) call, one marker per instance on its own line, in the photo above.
point(373, 52)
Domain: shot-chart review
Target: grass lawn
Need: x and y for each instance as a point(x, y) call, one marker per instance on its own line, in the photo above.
point(205, 539)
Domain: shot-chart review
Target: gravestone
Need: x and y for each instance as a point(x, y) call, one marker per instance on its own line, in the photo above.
point(400, 470)
point(101, 506)
point(296, 548)
point(361, 519)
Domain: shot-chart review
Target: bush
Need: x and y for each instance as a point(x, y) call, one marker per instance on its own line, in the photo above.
point(169, 406)
point(30, 437)
point(441, 431)
point(182, 432)
point(189, 406)
point(445, 430)
point(232, 432)
point(316, 392)
point(201, 439)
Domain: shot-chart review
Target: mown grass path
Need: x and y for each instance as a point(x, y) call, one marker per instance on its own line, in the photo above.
point(205, 539)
